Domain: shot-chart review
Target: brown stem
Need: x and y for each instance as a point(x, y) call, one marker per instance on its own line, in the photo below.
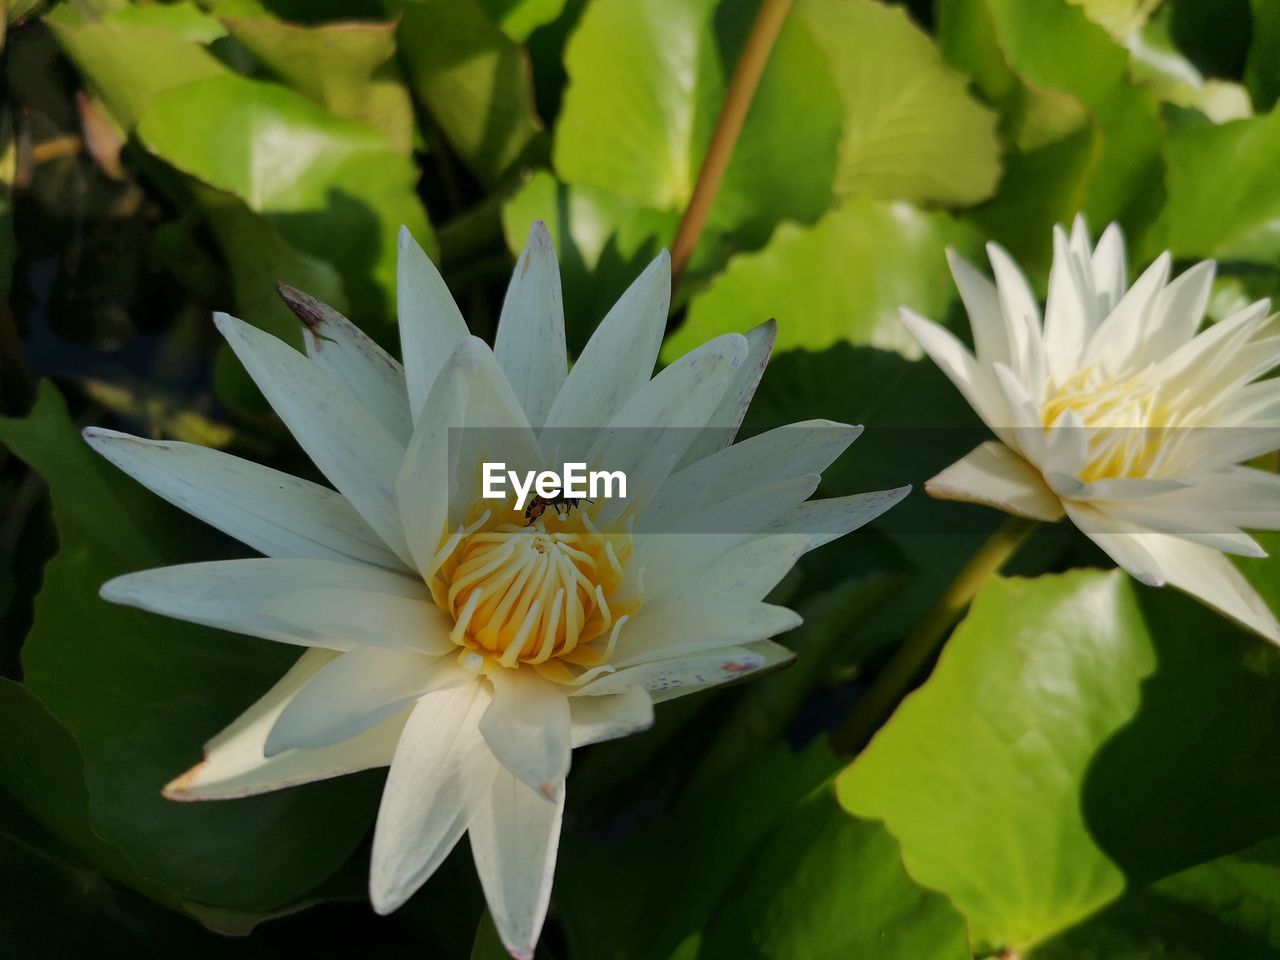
point(737, 101)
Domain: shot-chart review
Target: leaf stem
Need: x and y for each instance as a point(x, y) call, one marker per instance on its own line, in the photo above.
point(737, 101)
point(892, 682)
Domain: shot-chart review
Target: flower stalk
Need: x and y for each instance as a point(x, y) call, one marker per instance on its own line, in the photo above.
point(737, 101)
point(892, 682)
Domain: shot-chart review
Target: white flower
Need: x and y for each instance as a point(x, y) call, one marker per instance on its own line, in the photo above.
point(1117, 413)
point(470, 651)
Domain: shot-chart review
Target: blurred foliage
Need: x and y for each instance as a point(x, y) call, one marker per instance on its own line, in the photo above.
point(1089, 773)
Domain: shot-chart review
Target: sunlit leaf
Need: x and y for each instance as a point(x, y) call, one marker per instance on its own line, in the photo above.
point(842, 279)
point(474, 81)
point(334, 188)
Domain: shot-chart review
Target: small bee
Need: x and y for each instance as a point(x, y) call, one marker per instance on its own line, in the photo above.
point(563, 506)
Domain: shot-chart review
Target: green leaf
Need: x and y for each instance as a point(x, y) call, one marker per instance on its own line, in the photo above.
point(1262, 69)
point(979, 774)
point(603, 243)
point(646, 84)
point(841, 280)
point(638, 898)
point(1214, 215)
point(519, 18)
point(134, 54)
point(911, 129)
point(1028, 47)
point(42, 772)
point(347, 67)
point(1042, 187)
point(475, 83)
point(826, 885)
point(1225, 908)
point(333, 188)
point(139, 693)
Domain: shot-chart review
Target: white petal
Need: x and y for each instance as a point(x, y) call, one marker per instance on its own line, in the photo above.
point(431, 327)
point(527, 727)
point(651, 433)
point(1022, 320)
point(314, 603)
point(682, 627)
point(349, 446)
point(954, 359)
point(596, 719)
point(1123, 543)
point(993, 474)
point(1109, 273)
point(761, 461)
point(274, 513)
point(1204, 526)
point(746, 572)
point(1024, 431)
point(1177, 313)
point(234, 765)
point(668, 679)
point(982, 303)
point(350, 356)
point(619, 358)
point(723, 425)
point(1208, 576)
point(1116, 341)
point(822, 521)
point(357, 691)
point(530, 345)
point(515, 835)
point(1069, 311)
point(442, 771)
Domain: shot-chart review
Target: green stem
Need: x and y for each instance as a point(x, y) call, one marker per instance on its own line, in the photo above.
point(893, 681)
point(737, 101)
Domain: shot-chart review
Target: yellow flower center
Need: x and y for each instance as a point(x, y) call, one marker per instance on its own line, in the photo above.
point(1131, 427)
point(548, 595)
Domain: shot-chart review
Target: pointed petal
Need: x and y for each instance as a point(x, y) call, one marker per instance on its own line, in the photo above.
point(668, 679)
point(1122, 542)
point(431, 327)
point(994, 475)
point(515, 835)
point(440, 774)
point(596, 719)
point(1212, 578)
point(1022, 319)
point(982, 303)
point(527, 727)
point(234, 764)
point(822, 521)
point(1109, 270)
point(959, 365)
point(723, 425)
point(274, 513)
point(351, 358)
point(357, 691)
point(314, 603)
point(1068, 314)
point(1178, 310)
point(348, 445)
point(619, 358)
point(745, 572)
point(683, 627)
point(530, 345)
point(767, 458)
point(1116, 341)
point(650, 434)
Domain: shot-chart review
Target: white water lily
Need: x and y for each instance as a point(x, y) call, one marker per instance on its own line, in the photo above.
point(1116, 412)
point(449, 639)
